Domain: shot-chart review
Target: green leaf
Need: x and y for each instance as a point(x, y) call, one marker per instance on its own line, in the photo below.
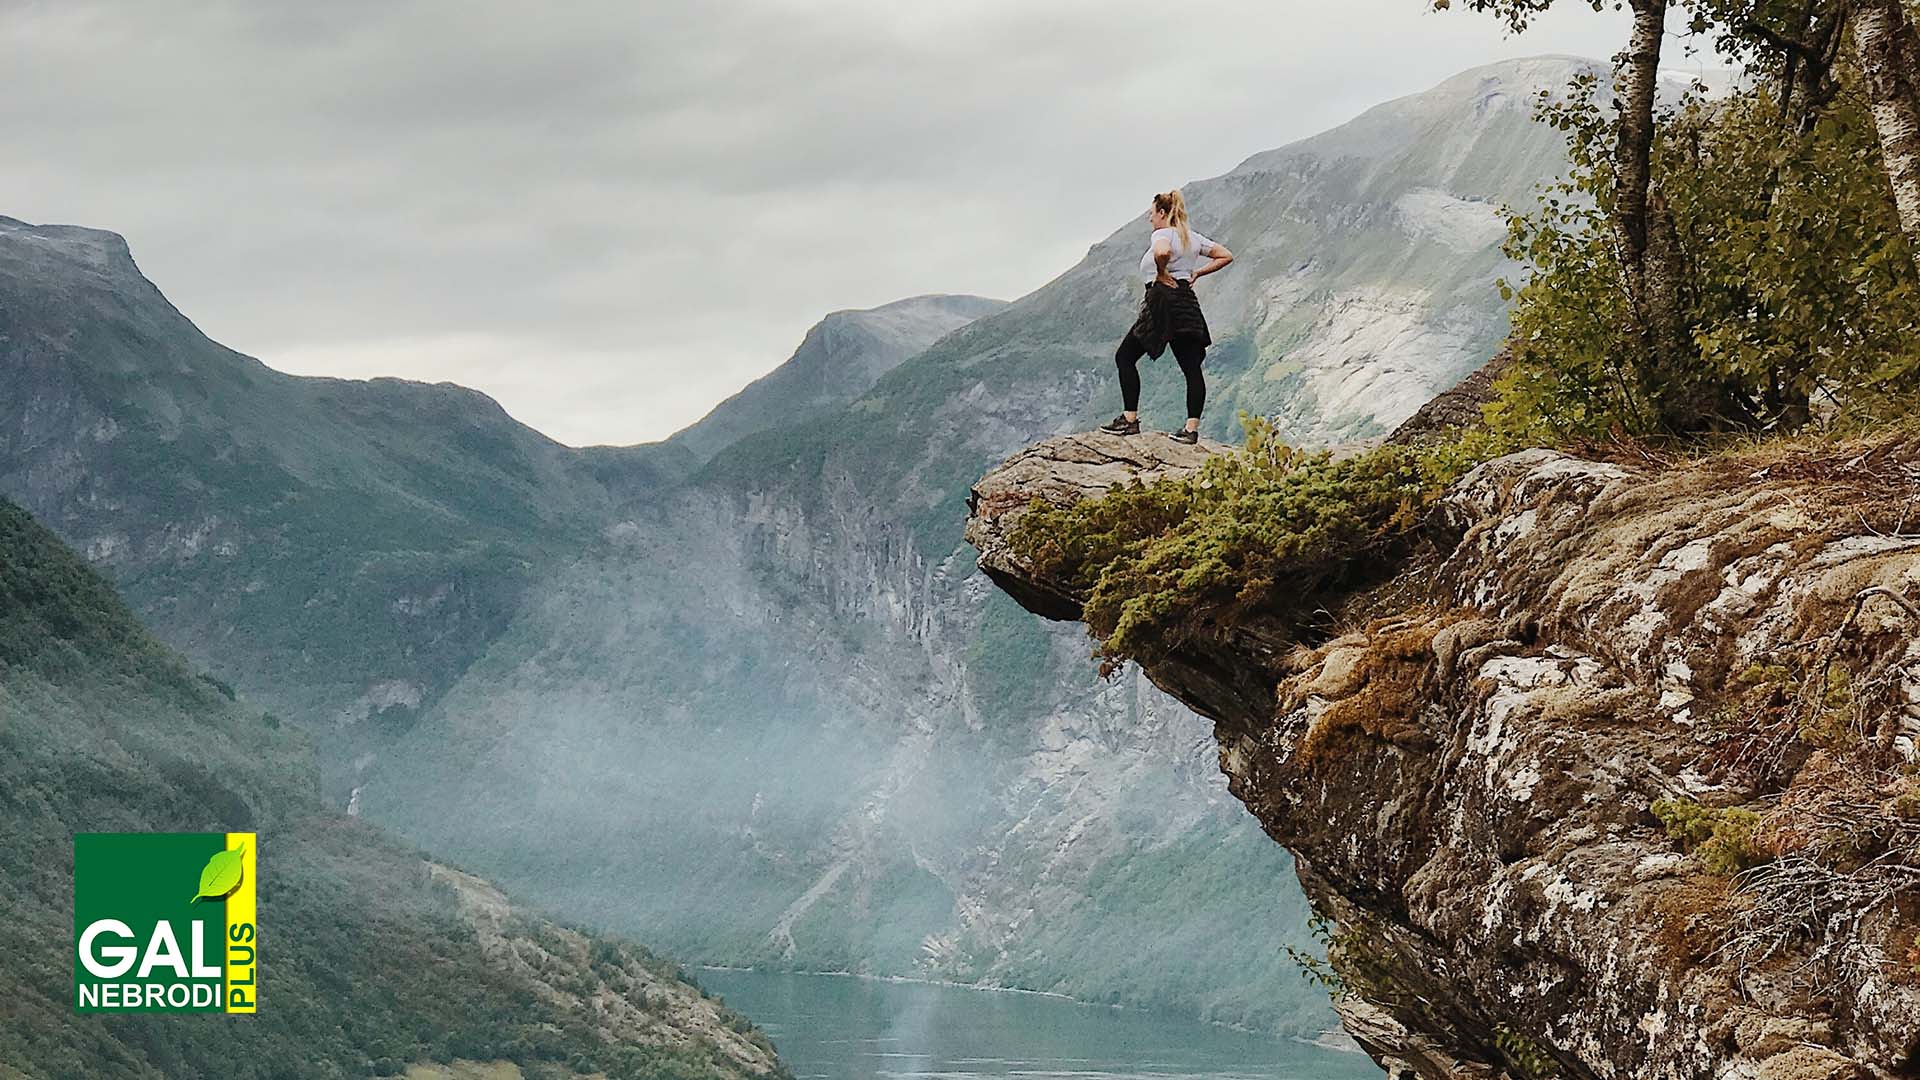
point(221, 875)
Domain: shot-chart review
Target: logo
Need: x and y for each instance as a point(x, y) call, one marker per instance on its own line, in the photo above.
point(163, 922)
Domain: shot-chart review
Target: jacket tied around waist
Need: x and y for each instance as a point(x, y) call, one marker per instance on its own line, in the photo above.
point(1169, 312)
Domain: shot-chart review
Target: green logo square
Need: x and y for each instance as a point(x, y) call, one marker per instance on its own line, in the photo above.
point(163, 922)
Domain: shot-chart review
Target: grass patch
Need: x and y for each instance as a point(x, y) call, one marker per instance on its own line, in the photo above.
point(1272, 533)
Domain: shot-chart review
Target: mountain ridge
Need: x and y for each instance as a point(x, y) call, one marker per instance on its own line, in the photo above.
point(837, 361)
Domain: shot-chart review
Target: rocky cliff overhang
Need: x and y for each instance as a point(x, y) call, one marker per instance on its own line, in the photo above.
point(1466, 785)
point(1062, 472)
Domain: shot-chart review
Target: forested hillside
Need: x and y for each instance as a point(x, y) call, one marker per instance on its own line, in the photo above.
point(372, 958)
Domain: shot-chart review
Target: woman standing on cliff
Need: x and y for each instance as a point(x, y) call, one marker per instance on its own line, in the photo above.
point(1170, 314)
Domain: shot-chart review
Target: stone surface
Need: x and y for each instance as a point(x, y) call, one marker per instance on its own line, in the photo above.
point(1466, 786)
point(1064, 471)
point(1455, 410)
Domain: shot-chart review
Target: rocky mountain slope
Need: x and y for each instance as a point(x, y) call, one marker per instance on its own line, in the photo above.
point(1522, 791)
point(778, 679)
point(840, 359)
point(375, 959)
point(341, 548)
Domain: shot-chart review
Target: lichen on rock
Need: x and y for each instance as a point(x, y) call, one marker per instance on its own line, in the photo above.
point(1468, 777)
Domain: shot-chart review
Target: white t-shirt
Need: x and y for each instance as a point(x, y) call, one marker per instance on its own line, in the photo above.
point(1186, 257)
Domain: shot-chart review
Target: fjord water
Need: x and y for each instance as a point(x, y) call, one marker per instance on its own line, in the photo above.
point(867, 1029)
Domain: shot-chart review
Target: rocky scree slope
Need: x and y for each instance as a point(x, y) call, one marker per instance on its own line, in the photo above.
point(375, 957)
point(1466, 780)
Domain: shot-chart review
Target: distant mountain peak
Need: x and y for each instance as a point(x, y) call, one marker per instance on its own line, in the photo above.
point(98, 248)
point(956, 301)
point(1477, 95)
point(839, 359)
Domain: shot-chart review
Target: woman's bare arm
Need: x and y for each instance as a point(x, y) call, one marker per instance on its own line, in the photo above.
point(1221, 257)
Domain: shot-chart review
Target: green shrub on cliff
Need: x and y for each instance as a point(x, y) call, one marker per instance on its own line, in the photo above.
point(1271, 532)
point(1720, 837)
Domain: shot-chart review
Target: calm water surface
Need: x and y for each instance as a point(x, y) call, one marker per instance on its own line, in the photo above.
point(862, 1029)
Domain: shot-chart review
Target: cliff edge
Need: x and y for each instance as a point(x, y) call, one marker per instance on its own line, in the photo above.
point(1619, 784)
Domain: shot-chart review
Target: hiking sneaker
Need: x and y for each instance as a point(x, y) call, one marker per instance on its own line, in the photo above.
point(1185, 436)
point(1120, 425)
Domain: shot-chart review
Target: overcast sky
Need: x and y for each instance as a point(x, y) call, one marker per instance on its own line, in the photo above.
point(611, 215)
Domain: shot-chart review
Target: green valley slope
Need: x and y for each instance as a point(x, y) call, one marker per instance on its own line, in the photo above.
point(375, 958)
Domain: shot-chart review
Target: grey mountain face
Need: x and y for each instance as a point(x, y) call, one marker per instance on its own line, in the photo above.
point(770, 713)
point(339, 547)
point(790, 669)
point(343, 548)
point(838, 361)
point(1366, 263)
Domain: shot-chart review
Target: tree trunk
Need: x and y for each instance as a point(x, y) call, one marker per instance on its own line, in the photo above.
point(1821, 38)
point(1683, 398)
point(1639, 74)
point(1632, 154)
point(1807, 44)
point(1667, 280)
point(1889, 53)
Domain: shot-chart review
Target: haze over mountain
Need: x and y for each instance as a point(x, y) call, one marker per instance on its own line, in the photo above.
point(763, 709)
point(373, 959)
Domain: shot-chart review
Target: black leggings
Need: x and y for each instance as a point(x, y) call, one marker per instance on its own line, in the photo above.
point(1186, 350)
